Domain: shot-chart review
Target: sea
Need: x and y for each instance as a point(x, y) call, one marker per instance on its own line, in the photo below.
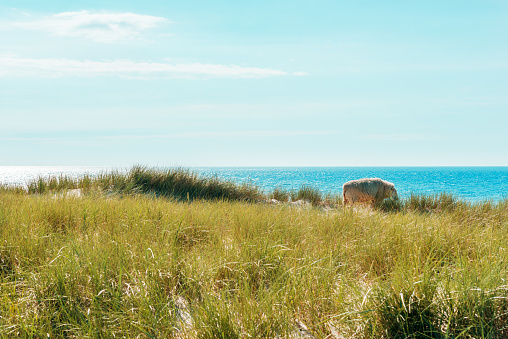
point(474, 184)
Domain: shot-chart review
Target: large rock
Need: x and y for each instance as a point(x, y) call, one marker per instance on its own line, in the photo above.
point(369, 190)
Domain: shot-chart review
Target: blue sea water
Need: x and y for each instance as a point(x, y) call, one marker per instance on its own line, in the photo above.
point(468, 183)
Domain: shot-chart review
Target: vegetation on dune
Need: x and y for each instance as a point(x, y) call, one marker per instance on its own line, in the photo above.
point(421, 203)
point(180, 184)
point(117, 262)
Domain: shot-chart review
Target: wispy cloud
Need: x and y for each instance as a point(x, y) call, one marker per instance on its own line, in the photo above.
point(185, 135)
point(401, 137)
point(102, 27)
point(13, 66)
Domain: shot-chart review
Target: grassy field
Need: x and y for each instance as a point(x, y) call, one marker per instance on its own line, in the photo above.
point(151, 254)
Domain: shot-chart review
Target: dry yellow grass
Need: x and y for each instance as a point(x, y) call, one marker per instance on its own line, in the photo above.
point(137, 266)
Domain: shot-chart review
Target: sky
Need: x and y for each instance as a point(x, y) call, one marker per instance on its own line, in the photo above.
point(260, 83)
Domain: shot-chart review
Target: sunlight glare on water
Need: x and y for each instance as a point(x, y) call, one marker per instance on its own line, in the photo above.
point(21, 175)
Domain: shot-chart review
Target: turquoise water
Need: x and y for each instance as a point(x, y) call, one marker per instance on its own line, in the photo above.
point(468, 183)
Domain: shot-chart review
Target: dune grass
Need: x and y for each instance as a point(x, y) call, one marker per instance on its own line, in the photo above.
point(159, 265)
point(179, 183)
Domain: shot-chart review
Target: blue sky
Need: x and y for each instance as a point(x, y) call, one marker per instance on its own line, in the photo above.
point(264, 83)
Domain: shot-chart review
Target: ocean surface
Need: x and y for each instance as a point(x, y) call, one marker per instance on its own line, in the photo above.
point(468, 183)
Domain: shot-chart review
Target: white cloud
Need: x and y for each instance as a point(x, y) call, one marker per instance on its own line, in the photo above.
point(14, 66)
point(185, 135)
point(402, 137)
point(102, 27)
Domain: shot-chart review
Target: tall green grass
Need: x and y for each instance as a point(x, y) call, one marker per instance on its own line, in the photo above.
point(129, 265)
point(311, 194)
point(179, 183)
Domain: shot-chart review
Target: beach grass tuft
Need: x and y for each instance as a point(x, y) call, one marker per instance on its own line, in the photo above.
point(280, 194)
point(309, 193)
